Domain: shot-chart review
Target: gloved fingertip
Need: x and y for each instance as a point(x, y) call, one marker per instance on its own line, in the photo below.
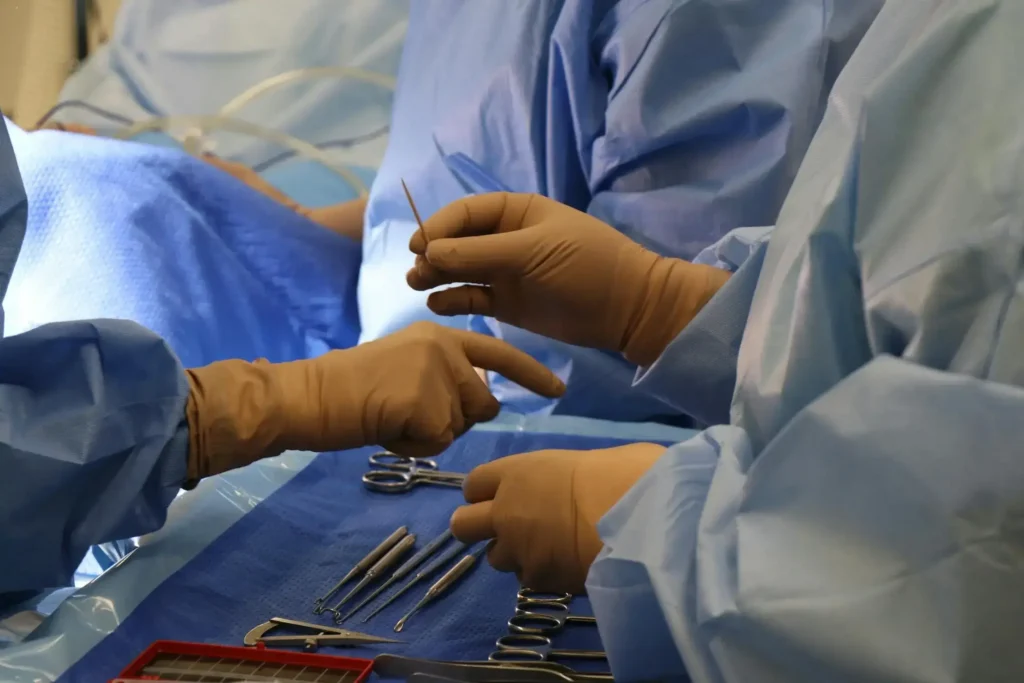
point(417, 243)
point(557, 388)
point(412, 278)
point(455, 523)
point(489, 410)
point(439, 304)
point(465, 525)
point(439, 253)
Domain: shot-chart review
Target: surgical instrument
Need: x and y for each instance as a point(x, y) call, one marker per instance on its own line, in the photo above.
point(382, 565)
point(416, 560)
point(529, 620)
point(425, 467)
point(429, 678)
point(421, 575)
point(458, 570)
point(399, 474)
point(415, 213)
point(362, 566)
point(531, 647)
point(402, 667)
point(399, 667)
point(314, 637)
point(528, 596)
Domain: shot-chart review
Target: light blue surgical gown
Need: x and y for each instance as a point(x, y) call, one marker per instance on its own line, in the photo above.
point(861, 520)
point(673, 120)
point(93, 437)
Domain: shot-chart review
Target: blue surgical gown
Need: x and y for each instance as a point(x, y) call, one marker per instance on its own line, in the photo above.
point(673, 120)
point(860, 518)
point(93, 437)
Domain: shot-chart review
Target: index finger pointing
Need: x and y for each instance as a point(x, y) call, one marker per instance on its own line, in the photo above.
point(476, 215)
point(501, 357)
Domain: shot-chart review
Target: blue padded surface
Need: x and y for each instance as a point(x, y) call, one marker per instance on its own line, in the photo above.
point(292, 547)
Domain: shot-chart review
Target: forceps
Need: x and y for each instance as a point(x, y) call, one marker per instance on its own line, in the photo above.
point(537, 648)
point(399, 474)
point(530, 621)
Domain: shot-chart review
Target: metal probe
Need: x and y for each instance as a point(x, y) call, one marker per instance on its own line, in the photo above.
point(362, 566)
point(424, 573)
point(412, 205)
point(443, 584)
point(376, 571)
point(403, 571)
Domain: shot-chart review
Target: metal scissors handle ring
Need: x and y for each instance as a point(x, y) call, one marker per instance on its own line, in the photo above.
point(530, 647)
point(511, 655)
point(393, 481)
point(528, 620)
point(528, 596)
point(402, 463)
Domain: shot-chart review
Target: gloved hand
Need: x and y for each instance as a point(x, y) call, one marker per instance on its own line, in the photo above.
point(542, 509)
point(547, 268)
point(412, 392)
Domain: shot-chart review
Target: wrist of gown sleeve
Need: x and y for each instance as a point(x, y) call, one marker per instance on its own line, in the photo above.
point(646, 566)
point(93, 444)
point(599, 384)
point(696, 373)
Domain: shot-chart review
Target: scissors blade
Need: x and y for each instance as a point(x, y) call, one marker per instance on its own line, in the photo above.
point(310, 634)
point(401, 667)
point(357, 637)
point(329, 639)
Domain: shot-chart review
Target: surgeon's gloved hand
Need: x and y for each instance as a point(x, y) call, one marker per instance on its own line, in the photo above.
point(542, 509)
point(550, 269)
point(412, 392)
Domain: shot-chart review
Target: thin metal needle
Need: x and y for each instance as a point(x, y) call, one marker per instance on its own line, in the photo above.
point(421, 575)
point(443, 584)
point(363, 564)
point(385, 563)
point(412, 205)
point(403, 571)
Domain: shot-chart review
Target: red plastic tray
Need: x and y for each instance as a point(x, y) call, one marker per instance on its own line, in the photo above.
point(256, 661)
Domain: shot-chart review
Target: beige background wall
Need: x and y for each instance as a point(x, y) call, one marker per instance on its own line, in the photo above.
point(37, 52)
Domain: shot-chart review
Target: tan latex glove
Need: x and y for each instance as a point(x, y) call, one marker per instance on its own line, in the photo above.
point(545, 267)
point(412, 392)
point(542, 509)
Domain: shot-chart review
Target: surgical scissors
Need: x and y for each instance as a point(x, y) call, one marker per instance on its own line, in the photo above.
point(529, 620)
point(310, 636)
point(399, 473)
point(537, 648)
point(528, 596)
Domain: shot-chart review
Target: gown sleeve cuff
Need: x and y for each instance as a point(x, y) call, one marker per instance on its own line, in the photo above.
point(696, 373)
point(638, 583)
